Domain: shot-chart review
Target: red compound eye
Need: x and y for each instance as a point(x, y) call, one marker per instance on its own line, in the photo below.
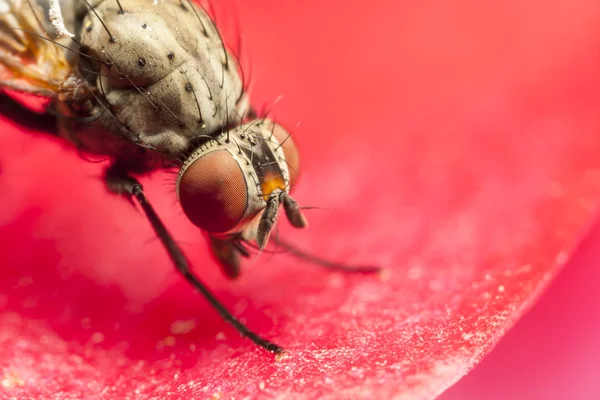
point(213, 192)
point(291, 152)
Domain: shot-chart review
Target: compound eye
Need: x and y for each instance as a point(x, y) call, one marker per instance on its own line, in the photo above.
point(213, 192)
point(290, 151)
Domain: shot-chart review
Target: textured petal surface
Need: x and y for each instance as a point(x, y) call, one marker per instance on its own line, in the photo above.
point(552, 353)
point(455, 142)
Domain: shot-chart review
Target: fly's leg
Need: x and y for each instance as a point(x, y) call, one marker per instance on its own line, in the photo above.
point(228, 252)
point(294, 215)
point(118, 181)
point(322, 262)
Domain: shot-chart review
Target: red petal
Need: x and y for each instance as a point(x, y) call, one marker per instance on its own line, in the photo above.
point(553, 352)
point(457, 143)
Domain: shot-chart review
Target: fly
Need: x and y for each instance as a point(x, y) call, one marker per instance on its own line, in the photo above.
point(151, 85)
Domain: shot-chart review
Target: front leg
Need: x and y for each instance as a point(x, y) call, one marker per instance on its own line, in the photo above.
point(120, 182)
point(227, 254)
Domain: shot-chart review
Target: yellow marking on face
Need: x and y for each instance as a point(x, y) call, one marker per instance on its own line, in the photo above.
point(271, 182)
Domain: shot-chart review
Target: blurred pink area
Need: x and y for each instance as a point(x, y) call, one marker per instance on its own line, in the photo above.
point(552, 353)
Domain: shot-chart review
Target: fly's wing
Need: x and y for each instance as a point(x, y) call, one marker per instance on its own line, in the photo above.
point(29, 60)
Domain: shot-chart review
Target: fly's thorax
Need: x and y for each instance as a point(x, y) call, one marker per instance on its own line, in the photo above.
point(225, 182)
point(162, 71)
point(96, 142)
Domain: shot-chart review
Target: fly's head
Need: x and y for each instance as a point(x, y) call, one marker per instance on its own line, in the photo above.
point(234, 183)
